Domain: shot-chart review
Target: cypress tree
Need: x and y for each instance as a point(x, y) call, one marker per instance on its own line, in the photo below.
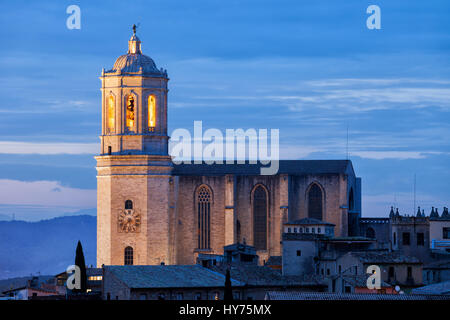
point(228, 293)
point(79, 261)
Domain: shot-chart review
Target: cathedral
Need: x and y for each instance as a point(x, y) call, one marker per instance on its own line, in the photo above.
point(151, 211)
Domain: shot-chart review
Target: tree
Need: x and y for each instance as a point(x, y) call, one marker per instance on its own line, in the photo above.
point(79, 261)
point(228, 293)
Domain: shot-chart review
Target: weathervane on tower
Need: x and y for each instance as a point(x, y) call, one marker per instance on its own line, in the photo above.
point(135, 27)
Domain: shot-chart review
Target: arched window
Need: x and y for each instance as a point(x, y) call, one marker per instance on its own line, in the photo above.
point(151, 112)
point(315, 202)
point(203, 217)
point(111, 114)
point(130, 112)
point(260, 218)
point(128, 204)
point(370, 233)
point(128, 256)
point(351, 201)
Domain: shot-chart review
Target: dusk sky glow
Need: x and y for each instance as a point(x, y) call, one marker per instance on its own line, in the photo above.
point(308, 68)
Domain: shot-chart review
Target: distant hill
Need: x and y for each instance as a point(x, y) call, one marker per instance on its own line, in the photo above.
point(5, 217)
point(45, 247)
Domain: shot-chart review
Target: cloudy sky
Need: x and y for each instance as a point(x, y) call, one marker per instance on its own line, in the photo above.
point(309, 68)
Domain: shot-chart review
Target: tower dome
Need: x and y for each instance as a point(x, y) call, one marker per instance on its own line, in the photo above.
point(134, 62)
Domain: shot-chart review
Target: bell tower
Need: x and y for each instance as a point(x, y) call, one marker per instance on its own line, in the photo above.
point(134, 169)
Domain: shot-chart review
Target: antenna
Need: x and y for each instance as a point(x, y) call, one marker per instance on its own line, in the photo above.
point(395, 200)
point(414, 194)
point(347, 142)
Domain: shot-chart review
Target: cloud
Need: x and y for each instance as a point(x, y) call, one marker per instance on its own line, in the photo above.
point(45, 193)
point(379, 150)
point(294, 152)
point(399, 155)
point(340, 82)
point(16, 147)
point(368, 99)
point(336, 95)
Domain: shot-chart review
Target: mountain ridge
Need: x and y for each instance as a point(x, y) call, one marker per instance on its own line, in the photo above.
point(46, 246)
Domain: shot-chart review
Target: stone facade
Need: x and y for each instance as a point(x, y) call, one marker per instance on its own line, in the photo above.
point(299, 254)
point(395, 268)
point(154, 208)
point(425, 237)
point(377, 228)
point(410, 236)
point(435, 272)
point(440, 234)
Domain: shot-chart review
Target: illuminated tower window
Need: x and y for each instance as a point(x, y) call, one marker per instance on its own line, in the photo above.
point(151, 112)
point(111, 114)
point(130, 112)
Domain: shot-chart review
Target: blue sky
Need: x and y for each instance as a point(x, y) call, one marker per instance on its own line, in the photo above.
point(309, 68)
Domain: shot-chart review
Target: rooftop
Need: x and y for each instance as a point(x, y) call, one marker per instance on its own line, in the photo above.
point(170, 276)
point(134, 62)
point(31, 288)
point(437, 288)
point(264, 276)
point(443, 264)
point(293, 167)
point(241, 247)
point(359, 281)
point(309, 221)
point(94, 271)
point(274, 261)
point(440, 218)
point(285, 295)
point(303, 236)
point(15, 283)
point(350, 239)
point(383, 257)
point(373, 220)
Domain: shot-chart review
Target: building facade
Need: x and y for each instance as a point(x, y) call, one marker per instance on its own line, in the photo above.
point(440, 231)
point(151, 211)
point(396, 269)
point(310, 247)
point(377, 228)
point(410, 235)
point(437, 271)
